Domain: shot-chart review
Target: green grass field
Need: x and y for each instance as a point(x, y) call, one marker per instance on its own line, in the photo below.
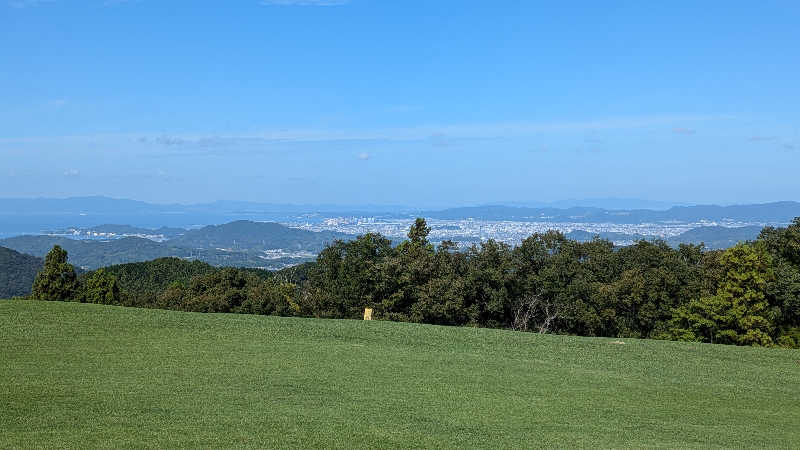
point(80, 376)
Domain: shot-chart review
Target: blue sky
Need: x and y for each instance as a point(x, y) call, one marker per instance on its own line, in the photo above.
point(423, 103)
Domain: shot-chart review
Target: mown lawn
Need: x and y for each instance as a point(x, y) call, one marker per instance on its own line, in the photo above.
point(81, 376)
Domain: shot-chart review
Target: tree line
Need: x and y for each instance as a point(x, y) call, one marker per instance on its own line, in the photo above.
point(746, 295)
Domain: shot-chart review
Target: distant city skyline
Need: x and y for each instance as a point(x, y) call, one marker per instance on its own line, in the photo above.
point(425, 104)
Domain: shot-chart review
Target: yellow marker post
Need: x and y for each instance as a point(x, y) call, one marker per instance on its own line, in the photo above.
point(367, 313)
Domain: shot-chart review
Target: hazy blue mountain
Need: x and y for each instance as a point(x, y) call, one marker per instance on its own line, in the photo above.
point(502, 212)
point(256, 207)
point(106, 205)
point(716, 237)
point(591, 209)
point(603, 203)
point(613, 203)
point(17, 272)
point(33, 216)
point(777, 212)
point(95, 204)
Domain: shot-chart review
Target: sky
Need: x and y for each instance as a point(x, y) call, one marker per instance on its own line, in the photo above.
point(421, 103)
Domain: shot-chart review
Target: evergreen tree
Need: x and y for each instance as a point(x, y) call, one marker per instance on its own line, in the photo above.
point(57, 280)
point(418, 234)
point(739, 312)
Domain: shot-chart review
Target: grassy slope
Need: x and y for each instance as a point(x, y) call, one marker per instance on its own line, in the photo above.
point(78, 375)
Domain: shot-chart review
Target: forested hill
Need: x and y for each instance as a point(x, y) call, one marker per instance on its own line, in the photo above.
point(237, 244)
point(244, 234)
point(143, 282)
point(777, 212)
point(93, 254)
point(17, 271)
point(716, 237)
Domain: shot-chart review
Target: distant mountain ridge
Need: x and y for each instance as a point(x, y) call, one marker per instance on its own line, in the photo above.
point(35, 216)
point(602, 203)
point(101, 204)
point(776, 212)
point(565, 208)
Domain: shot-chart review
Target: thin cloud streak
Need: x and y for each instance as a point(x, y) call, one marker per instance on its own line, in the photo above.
point(761, 138)
point(420, 133)
point(27, 3)
point(303, 2)
point(19, 4)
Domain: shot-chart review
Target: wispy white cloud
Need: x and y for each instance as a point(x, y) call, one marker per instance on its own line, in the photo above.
point(118, 2)
point(57, 103)
point(303, 2)
point(434, 134)
point(170, 140)
point(439, 139)
point(363, 156)
point(32, 3)
point(27, 3)
point(72, 173)
point(761, 138)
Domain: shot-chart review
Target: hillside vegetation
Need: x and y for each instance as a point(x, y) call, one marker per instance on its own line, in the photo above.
point(93, 254)
point(256, 236)
point(17, 271)
point(746, 295)
point(141, 282)
point(86, 376)
point(236, 244)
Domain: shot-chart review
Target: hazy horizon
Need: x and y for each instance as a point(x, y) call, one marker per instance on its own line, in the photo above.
point(610, 203)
